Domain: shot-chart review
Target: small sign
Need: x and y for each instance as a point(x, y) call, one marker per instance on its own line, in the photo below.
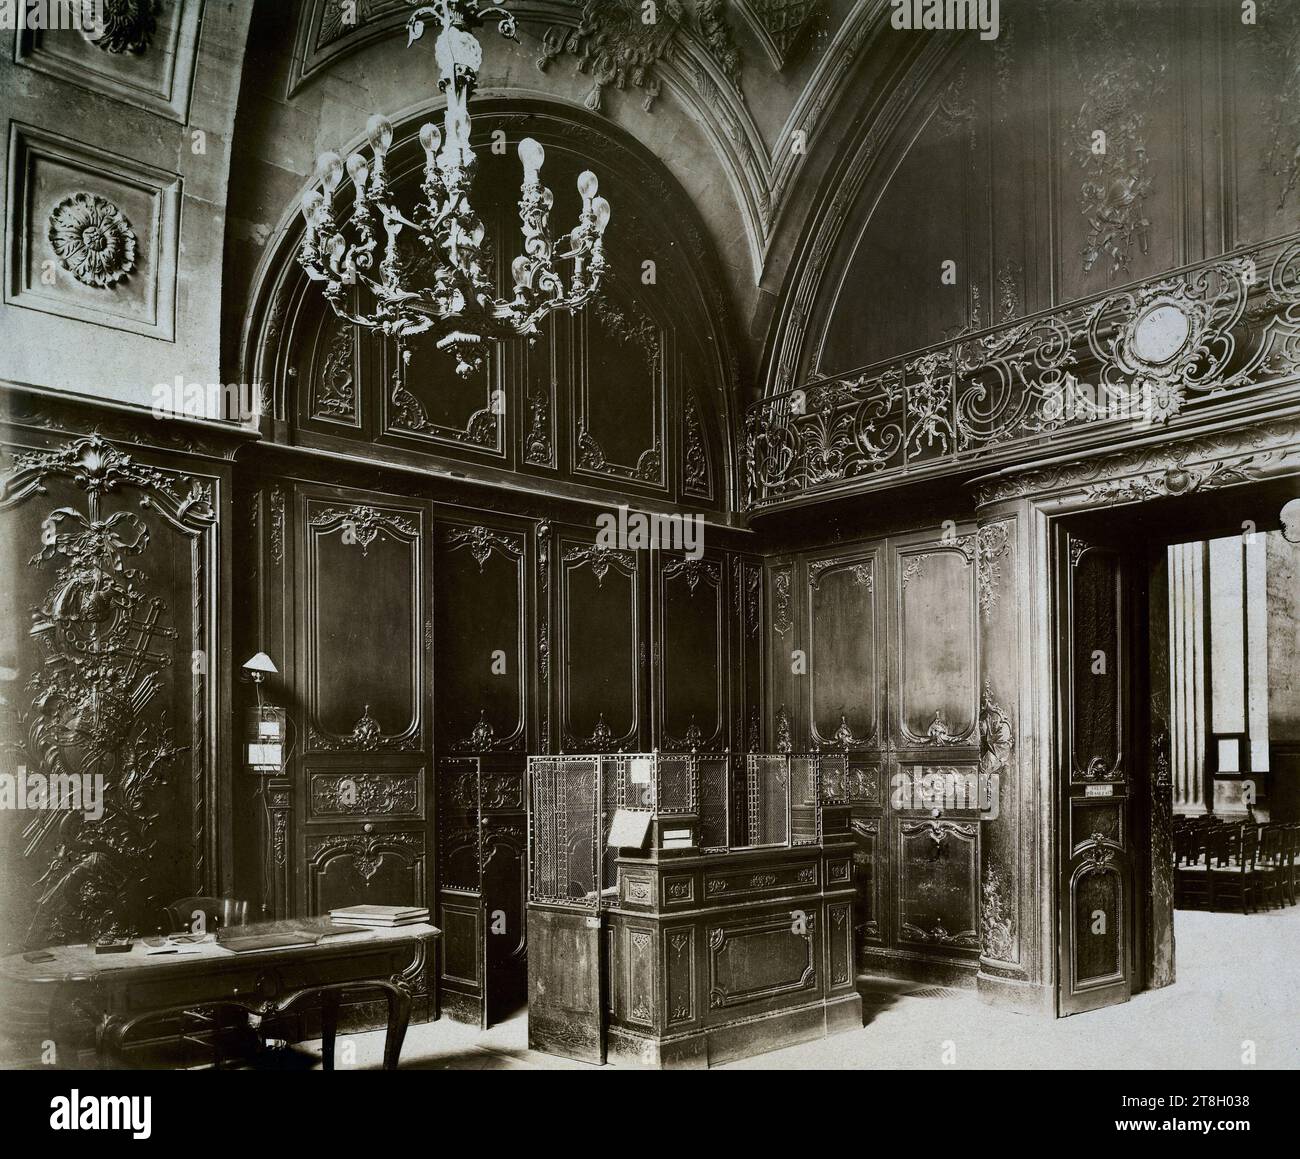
point(638, 772)
point(1099, 791)
point(629, 829)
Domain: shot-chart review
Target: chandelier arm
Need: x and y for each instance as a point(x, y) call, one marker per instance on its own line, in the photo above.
point(460, 307)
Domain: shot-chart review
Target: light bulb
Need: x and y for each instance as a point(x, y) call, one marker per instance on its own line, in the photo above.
point(380, 132)
point(358, 170)
point(311, 202)
point(519, 270)
point(329, 170)
point(430, 138)
point(601, 209)
point(532, 155)
point(588, 186)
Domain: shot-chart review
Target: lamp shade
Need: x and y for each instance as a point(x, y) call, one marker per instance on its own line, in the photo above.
point(259, 663)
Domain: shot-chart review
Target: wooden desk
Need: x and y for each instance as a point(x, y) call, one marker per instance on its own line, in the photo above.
point(121, 991)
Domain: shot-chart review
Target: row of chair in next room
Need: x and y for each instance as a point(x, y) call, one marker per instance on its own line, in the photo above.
point(1225, 864)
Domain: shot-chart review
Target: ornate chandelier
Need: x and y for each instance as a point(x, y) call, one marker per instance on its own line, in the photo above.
point(460, 307)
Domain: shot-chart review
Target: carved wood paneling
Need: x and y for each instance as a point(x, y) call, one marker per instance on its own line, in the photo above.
point(601, 636)
point(936, 644)
point(752, 959)
point(690, 652)
point(481, 650)
point(938, 884)
point(113, 562)
point(843, 666)
point(366, 795)
point(363, 576)
point(345, 869)
point(678, 952)
point(624, 398)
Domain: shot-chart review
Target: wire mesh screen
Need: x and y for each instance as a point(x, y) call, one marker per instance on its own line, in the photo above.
point(766, 799)
point(713, 782)
point(767, 786)
point(566, 829)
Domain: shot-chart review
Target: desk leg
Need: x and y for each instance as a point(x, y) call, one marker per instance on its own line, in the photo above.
point(109, 1037)
point(399, 1015)
point(329, 1021)
point(64, 1017)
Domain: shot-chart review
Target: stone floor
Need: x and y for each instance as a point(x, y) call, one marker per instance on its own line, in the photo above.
point(1238, 982)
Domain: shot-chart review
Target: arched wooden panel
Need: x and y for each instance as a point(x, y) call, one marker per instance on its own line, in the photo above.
point(629, 396)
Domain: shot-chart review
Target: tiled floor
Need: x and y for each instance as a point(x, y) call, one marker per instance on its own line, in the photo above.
point(1238, 982)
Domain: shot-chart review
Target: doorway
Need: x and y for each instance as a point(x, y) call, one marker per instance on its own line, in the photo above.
point(1176, 691)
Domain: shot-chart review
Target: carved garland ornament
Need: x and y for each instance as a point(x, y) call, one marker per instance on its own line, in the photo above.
point(363, 525)
point(997, 940)
point(93, 240)
point(615, 44)
point(991, 543)
point(482, 543)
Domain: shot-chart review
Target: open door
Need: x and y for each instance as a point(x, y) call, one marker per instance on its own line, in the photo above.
point(1098, 604)
point(503, 888)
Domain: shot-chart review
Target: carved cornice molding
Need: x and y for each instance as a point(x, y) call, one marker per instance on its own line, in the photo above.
point(1202, 463)
point(54, 412)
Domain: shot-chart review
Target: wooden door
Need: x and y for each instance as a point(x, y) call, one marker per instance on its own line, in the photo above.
point(503, 887)
point(1097, 606)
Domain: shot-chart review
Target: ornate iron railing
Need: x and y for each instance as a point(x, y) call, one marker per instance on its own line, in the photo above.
point(1127, 360)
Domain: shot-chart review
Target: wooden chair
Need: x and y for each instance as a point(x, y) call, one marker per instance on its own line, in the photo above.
point(207, 1027)
point(1192, 868)
point(1234, 865)
point(216, 912)
point(1272, 864)
point(1289, 842)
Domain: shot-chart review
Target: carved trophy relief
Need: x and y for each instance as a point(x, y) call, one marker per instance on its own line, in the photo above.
point(93, 712)
point(992, 541)
point(997, 929)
